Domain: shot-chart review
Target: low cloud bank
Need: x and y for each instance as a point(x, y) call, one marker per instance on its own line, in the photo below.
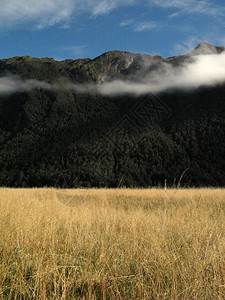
point(13, 84)
point(203, 70)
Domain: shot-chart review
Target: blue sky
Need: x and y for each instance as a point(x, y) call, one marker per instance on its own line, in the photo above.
point(86, 28)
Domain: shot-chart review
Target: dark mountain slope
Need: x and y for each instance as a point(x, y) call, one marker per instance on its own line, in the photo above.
point(69, 139)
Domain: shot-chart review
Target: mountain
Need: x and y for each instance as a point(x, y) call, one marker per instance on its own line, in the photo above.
point(206, 48)
point(52, 134)
point(107, 66)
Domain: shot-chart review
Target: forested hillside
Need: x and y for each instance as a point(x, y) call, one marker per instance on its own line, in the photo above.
point(66, 138)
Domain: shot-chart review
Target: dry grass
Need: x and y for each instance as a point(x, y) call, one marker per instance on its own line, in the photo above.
point(112, 244)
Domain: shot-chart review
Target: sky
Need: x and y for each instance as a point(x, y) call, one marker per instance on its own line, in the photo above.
point(74, 29)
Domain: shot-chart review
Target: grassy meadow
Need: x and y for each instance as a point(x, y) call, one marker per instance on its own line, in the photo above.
point(112, 244)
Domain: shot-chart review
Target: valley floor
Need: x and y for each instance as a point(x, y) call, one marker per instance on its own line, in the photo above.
point(112, 244)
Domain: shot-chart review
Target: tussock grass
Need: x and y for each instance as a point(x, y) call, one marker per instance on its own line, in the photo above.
point(112, 244)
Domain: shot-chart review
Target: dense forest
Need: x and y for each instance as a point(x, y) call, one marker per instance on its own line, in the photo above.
point(65, 138)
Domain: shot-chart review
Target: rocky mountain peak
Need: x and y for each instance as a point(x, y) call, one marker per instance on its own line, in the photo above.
point(206, 48)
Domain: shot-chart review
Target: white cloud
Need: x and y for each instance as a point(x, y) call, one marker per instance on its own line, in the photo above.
point(104, 7)
point(145, 26)
point(48, 13)
point(205, 70)
point(44, 13)
point(191, 6)
point(126, 22)
point(172, 16)
point(140, 26)
point(13, 84)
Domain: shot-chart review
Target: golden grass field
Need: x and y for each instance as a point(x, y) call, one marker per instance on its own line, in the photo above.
point(112, 244)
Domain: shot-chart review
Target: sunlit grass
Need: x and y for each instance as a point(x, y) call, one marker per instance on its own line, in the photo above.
point(112, 244)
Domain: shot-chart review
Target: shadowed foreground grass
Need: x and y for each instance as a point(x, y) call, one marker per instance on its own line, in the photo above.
point(112, 244)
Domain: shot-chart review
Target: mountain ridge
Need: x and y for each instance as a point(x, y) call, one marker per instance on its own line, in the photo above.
point(106, 66)
point(203, 46)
